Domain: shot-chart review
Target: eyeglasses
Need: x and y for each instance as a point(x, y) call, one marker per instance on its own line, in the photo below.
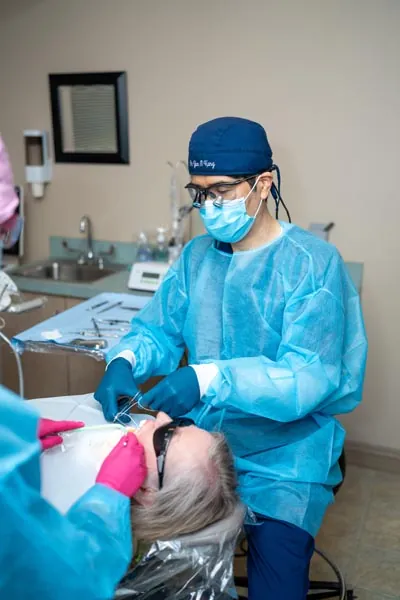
point(161, 440)
point(220, 193)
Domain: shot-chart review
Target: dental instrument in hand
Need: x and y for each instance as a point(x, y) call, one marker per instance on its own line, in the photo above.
point(124, 413)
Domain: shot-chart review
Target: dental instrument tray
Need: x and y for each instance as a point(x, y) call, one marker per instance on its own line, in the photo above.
point(92, 327)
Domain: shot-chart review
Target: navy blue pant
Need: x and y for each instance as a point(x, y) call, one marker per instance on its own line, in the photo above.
point(278, 560)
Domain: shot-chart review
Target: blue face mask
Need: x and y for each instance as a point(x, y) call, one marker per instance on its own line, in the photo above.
point(229, 223)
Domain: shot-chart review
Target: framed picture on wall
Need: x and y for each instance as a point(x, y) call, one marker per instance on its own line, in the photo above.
point(90, 117)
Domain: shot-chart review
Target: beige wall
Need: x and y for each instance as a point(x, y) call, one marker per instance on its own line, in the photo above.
point(322, 76)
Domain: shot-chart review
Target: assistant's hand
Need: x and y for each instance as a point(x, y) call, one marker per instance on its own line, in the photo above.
point(48, 430)
point(177, 394)
point(124, 469)
point(117, 382)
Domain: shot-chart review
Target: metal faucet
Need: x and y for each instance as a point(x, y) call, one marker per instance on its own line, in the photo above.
point(85, 226)
point(89, 257)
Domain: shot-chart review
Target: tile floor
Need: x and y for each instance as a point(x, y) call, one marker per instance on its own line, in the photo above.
point(361, 533)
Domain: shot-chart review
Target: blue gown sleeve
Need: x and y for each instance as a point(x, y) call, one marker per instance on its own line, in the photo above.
point(44, 554)
point(320, 362)
point(156, 337)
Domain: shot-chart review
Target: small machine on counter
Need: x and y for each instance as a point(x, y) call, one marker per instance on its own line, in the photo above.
point(147, 276)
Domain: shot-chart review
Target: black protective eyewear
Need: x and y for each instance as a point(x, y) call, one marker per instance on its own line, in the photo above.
point(161, 440)
point(214, 192)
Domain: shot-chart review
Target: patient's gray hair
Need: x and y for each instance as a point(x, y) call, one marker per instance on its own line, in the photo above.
point(191, 501)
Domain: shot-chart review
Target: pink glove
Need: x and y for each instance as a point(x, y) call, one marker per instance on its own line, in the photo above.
point(124, 470)
point(48, 430)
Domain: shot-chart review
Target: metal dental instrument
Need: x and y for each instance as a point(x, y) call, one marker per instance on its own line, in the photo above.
point(91, 344)
point(111, 333)
point(96, 327)
point(98, 305)
point(111, 330)
point(110, 307)
point(125, 412)
point(113, 321)
point(116, 336)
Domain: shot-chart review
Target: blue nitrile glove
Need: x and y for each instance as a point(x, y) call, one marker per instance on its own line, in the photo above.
point(177, 394)
point(117, 383)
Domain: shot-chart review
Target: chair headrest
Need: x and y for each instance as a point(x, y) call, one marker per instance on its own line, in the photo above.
point(217, 533)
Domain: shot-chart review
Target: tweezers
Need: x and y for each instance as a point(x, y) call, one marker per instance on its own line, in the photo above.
point(135, 401)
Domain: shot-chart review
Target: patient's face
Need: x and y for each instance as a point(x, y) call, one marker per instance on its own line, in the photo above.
point(189, 446)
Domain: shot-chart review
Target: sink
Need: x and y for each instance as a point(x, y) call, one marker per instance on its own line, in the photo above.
point(67, 271)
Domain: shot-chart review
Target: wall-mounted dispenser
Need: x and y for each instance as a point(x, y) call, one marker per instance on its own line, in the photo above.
point(38, 165)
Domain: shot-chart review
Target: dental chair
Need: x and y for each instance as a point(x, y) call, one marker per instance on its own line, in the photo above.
point(198, 566)
point(319, 590)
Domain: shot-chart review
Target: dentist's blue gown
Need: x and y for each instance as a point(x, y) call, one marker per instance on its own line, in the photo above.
point(283, 323)
point(43, 554)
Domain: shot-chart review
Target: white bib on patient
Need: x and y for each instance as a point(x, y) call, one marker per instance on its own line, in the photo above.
point(69, 470)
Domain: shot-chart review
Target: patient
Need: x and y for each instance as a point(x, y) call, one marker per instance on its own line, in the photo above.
point(191, 480)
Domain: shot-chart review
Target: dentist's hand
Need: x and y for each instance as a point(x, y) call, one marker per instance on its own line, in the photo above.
point(116, 387)
point(48, 431)
point(176, 395)
point(124, 470)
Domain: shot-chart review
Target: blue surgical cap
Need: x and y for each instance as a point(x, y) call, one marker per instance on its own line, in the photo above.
point(229, 146)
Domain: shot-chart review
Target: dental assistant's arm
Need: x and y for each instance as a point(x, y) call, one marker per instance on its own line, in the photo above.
point(55, 557)
point(8, 197)
point(44, 554)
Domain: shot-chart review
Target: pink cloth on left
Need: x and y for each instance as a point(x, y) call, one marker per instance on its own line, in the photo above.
point(8, 197)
